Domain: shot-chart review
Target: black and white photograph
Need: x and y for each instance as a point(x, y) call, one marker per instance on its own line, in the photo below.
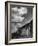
point(20, 23)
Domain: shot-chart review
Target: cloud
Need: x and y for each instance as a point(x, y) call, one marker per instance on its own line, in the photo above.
point(22, 10)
